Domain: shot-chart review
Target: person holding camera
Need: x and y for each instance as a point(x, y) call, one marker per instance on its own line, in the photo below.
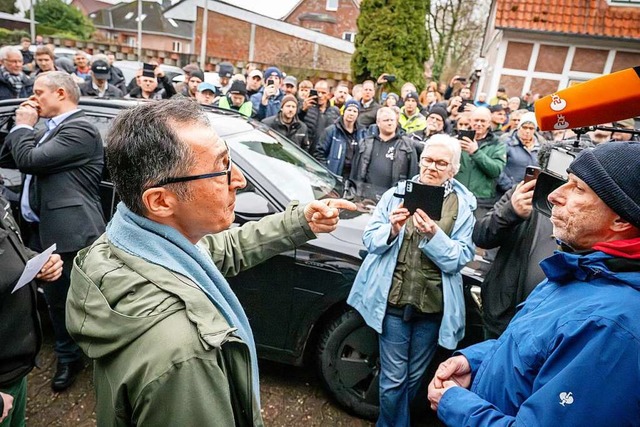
point(409, 287)
point(570, 355)
point(317, 113)
point(268, 100)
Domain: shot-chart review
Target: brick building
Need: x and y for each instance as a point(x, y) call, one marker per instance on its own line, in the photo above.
point(546, 45)
point(88, 7)
point(336, 18)
point(240, 36)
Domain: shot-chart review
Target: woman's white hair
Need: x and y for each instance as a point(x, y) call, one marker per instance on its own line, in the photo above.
point(451, 143)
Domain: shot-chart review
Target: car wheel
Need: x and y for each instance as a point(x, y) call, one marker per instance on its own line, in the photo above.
point(348, 363)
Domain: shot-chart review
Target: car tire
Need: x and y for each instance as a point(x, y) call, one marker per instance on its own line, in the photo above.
point(348, 363)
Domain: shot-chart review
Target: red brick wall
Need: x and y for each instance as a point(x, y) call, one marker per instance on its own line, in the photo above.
point(228, 39)
point(345, 17)
point(513, 85)
point(625, 60)
point(551, 58)
point(589, 60)
point(518, 55)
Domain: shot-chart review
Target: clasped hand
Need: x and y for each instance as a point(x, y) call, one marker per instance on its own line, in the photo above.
point(453, 372)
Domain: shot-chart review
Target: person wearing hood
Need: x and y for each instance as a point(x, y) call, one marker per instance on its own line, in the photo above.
point(570, 355)
point(383, 158)
point(236, 99)
point(149, 302)
point(268, 100)
point(339, 142)
point(409, 287)
point(287, 123)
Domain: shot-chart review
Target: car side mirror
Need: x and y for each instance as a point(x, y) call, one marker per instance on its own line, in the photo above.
point(252, 204)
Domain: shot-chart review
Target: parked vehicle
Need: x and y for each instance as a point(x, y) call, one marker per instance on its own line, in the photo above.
point(296, 300)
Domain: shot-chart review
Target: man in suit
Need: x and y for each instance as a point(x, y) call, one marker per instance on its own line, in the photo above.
point(60, 198)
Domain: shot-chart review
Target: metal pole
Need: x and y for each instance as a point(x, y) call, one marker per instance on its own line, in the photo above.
point(203, 38)
point(139, 30)
point(32, 24)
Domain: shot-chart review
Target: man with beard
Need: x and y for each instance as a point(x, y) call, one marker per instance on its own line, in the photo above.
point(340, 96)
point(340, 140)
point(287, 123)
point(570, 355)
point(14, 83)
point(254, 82)
point(193, 81)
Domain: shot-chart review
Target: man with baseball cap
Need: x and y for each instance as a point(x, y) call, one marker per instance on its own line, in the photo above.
point(254, 82)
point(339, 142)
point(225, 72)
point(268, 100)
point(99, 86)
point(286, 122)
point(411, 120)
point(290, 85)
point(206, 93)
point(236, 99)
point(570, 355)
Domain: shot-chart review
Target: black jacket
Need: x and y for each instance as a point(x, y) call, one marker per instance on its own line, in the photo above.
point(165, 90)
point(296, 131)
point(87, 89)
point(20, 333)
point(64, 192)
point(7, 91)
point(523, 244)
point(317, 122)
point(367, 115)
point(405, 163)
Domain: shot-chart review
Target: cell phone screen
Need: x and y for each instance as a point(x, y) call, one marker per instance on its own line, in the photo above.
point(270, 82)
point(313, 92)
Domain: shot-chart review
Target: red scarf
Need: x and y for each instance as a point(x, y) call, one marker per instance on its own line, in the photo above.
point(629, 249)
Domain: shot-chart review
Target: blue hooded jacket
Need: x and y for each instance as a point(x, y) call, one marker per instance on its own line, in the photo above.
point(570, 357)
point(372, 284)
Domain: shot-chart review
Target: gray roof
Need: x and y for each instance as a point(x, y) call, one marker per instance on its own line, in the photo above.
point(123, 17)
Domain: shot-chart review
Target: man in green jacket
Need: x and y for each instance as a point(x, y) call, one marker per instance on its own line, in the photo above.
point(148, 302)
point(482, 161)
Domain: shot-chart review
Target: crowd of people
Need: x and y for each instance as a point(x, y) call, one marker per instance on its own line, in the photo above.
point(168, 247)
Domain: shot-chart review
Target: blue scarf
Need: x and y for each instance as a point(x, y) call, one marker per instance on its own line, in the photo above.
point(165, 246)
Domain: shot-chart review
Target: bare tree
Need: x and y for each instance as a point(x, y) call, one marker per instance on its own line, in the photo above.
point(454, 30)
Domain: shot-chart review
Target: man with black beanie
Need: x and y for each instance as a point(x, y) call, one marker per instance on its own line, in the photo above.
point(570, 355)
point(286, 122)
point(236, 99)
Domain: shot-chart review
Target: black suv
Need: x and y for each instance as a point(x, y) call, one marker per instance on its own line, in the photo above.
point(296, 300)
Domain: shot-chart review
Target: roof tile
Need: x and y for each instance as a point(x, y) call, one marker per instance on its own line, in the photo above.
point(597, 18)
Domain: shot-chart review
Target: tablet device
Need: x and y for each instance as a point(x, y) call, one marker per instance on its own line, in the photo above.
point(429, 198)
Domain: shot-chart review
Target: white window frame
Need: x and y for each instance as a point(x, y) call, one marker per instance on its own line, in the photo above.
point(177, 47)
point(624, 3)
point(349, 36)
point(332, 5)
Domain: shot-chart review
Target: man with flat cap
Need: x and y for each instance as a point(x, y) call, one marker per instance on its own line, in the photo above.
point(570, 356)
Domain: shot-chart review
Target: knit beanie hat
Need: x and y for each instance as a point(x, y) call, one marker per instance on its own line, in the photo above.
point(436, 109)
point(352, 103)
point(611, 170)
point(528, 118)
point(272, 70)
point(199, 74)
point(238, 86)
point(412, 95)
point(289, 98)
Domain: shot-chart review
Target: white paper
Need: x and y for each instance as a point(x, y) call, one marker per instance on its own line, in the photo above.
point(33, 267)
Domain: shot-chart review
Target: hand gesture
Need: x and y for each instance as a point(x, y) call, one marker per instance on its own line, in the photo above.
point(468, 145)
point(52, 270)
point(8, 404)
point(522, 198)
point(425, 225)
point(398, 218)
point(323, 215)
point(383, 78)
point(27, 113)
point(309, 102)
point(453, 372)
point(158, 72)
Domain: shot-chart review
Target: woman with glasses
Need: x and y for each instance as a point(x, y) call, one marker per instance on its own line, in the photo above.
point(409, 288)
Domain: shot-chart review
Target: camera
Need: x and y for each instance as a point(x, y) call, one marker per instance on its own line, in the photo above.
point(554, 175)
point(270, 82)
point(390, 78)
point(471, 134)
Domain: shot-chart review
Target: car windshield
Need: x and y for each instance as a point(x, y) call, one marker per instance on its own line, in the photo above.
point(282, 163)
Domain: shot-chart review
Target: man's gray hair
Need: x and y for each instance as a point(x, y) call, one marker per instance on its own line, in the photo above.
point(6, 50)
point(383, 110)
point(59, 79)
point(451, 143)
point(83, 53)
point(144, 147)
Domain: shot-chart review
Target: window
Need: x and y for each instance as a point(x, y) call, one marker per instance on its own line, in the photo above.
point(128, 15)
point(131, 41)
point(141, 17)
point(624, 2)
point(332, 5)
point(172, 22)
point(177, 47)
point(350, 37)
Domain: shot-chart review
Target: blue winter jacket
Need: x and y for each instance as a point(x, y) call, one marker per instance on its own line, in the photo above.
point(333, 145)
point(271, 109)
point(372, 284)
point(570, 357)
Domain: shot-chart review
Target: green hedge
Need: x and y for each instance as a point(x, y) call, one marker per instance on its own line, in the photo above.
point(12, 37)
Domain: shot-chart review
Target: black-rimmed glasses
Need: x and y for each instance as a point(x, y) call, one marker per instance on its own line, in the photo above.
point(440, 165)
point(226, 172)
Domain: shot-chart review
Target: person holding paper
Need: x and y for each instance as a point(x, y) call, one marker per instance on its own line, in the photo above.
point(409, 288)
point(20, 333)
